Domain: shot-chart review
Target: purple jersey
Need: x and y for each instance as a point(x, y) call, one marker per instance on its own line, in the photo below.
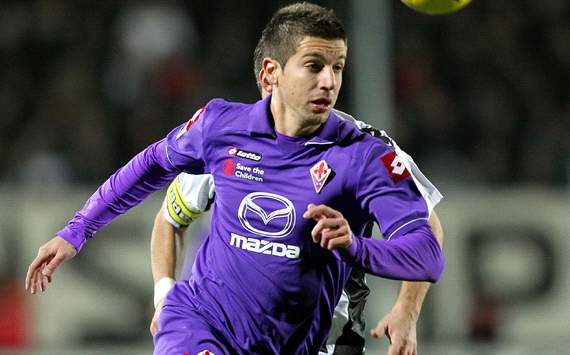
point(259, 279)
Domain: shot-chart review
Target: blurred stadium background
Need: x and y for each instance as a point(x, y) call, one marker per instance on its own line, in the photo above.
point(480, 99)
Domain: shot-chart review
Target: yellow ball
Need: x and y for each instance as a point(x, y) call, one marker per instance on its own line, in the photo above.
point(436, 7)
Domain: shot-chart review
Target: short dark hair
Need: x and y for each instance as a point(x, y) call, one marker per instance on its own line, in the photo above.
point(289, 25)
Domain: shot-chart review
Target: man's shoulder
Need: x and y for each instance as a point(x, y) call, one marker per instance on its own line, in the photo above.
point(222, 103)
point(361, 135)
point(221, 107)
point(222, 115)
point(365, 143)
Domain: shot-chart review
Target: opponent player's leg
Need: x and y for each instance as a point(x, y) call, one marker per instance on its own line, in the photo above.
point(182, 330)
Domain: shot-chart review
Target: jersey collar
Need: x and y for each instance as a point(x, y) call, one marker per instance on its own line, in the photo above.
point(261, 123)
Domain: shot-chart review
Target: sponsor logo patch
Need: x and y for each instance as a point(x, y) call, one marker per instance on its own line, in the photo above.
point(319, 174)
point(267, 214)
point(242, 171)
point(261, 246)
point(395, 166)
point(236, 152)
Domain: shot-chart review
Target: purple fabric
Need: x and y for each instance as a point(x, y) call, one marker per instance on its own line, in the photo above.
point(259, 280)
point(148, 171)
point(182, 330)
point(415, 256)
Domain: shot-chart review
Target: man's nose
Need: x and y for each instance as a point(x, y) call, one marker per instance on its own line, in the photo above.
point(327, 78)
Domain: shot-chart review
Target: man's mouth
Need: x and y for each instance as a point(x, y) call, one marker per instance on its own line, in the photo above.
point(321, 105)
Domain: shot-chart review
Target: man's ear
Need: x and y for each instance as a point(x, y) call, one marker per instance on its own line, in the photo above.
point(270, 70)
point(264, 84)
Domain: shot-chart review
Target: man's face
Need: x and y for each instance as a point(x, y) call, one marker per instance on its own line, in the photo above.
point(309, 84)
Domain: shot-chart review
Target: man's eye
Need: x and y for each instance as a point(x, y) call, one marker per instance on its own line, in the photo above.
point(314, 67)
point(338, 68)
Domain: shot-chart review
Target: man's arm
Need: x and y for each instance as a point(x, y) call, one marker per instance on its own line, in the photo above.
point(163, 261)
point(414, 255)
point(146, 172)
point(163, 247)
point(399, 325)
point(187, 198)
point(387, 189)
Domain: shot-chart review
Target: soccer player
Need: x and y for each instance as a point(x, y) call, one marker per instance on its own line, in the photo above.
point(296, 186)
point(188, 196)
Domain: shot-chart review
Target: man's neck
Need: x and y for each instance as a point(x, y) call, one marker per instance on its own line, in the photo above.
point(290, 123)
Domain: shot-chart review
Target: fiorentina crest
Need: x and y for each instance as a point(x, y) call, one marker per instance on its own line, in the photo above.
point(320, 173)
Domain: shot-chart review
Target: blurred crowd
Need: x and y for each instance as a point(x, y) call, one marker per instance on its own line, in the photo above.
point(481, 96)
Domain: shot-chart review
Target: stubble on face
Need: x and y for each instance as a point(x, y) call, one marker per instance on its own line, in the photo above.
point(309, 83)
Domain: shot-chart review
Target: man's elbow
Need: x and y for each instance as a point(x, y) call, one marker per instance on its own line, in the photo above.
point(434, 271)
point(429, 261)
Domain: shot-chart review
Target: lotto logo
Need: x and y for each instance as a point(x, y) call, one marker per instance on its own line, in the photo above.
point(395, 166)
point(236, 152)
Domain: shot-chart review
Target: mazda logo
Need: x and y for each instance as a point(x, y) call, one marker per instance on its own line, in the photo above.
point(267, 214)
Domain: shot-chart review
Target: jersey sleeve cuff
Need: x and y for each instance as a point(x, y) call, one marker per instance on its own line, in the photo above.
point(75, 239)
point(350, 253)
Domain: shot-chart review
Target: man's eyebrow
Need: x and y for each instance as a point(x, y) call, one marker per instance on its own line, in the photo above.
point(320, 56)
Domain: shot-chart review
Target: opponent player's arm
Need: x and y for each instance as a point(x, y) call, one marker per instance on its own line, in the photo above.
point(163, 253)
point(163, 261)
point(187, 198)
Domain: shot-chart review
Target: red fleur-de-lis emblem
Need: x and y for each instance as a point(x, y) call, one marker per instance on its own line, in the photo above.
point(319, 174)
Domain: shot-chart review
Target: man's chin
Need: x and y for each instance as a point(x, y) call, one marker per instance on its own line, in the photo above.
point(318, 117)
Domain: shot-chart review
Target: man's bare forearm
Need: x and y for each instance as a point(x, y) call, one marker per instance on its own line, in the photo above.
point(162, 248)
point(436, 228)
point(411, 298)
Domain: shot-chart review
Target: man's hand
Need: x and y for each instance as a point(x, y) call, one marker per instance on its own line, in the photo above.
point(154, 321)
point(399, 326)
point(50, 256)
point(332, 229)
